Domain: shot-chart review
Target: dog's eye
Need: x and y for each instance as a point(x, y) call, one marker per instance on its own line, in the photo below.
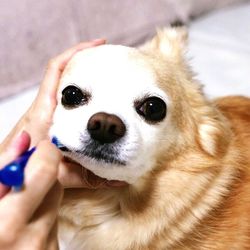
point(153, 109)
point(73, 96)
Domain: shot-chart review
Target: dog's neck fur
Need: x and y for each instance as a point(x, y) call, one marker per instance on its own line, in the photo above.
point(103, 219)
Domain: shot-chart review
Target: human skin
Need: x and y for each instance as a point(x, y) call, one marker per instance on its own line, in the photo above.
point(29, 217)
point(38, 118)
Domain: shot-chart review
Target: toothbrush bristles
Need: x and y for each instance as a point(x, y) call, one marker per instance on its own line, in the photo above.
point(56, 142)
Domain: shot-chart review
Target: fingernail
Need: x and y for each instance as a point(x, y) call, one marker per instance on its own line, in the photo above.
point(20, 142)
point(14, 147)
point(18, 137)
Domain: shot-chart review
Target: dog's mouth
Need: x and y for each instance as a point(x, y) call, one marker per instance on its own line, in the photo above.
point(89, 179)
point(95, 151)
point(104, 153)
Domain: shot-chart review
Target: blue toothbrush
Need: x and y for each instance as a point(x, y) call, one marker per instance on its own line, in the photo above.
point(12, 175)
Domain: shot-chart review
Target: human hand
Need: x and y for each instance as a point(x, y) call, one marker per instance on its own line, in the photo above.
point(38, 118)
point(28, 218)
point(37, 121)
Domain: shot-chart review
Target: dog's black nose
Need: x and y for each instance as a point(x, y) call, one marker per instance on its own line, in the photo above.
point(106, 128)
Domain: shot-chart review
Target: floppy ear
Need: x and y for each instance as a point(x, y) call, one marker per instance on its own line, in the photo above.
point(170, 42)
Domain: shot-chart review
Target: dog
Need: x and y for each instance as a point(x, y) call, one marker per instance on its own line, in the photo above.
point(139, 116)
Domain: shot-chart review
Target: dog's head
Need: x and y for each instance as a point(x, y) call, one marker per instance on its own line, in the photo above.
point(122, 109)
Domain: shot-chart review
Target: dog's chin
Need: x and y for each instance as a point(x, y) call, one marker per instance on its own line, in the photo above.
point(100, 154)
point(92, 180)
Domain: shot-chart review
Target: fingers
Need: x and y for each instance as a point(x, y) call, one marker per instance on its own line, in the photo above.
point(70, 175)
point(9, 151)
point(45, 217)
point(39, 116)
point(13, 148)
point(42, 228)
point(29, 217)
point(37, 119)
point(40, 176)
point(52, 242)
point(47, 92)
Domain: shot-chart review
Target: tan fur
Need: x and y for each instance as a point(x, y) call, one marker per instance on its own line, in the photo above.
point(198, 194)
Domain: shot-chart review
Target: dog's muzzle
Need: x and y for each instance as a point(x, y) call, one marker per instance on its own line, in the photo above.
point(105, 131)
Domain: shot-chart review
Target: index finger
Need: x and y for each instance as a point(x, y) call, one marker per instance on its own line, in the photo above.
point(47, 91)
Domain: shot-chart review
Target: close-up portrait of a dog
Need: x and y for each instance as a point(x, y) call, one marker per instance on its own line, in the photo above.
point(150, 126)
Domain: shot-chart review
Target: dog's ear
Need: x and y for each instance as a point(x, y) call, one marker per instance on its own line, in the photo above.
point(169, 42)
point(214, 135)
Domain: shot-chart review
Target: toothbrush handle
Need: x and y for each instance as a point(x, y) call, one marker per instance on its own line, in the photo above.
point(23, 159)
point(13, 173)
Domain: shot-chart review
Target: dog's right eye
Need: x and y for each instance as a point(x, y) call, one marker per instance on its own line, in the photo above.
point(72, 97)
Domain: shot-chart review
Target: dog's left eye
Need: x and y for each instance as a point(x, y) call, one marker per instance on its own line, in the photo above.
point(152, 109)
point(72, 96)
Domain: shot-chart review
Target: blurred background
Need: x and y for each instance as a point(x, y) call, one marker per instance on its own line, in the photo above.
point(32, 32)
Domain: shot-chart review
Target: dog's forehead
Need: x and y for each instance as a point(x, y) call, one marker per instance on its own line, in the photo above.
point(110, 67)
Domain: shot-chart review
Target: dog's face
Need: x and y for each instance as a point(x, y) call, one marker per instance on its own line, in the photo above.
point(116, 114)
point(111, 113)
